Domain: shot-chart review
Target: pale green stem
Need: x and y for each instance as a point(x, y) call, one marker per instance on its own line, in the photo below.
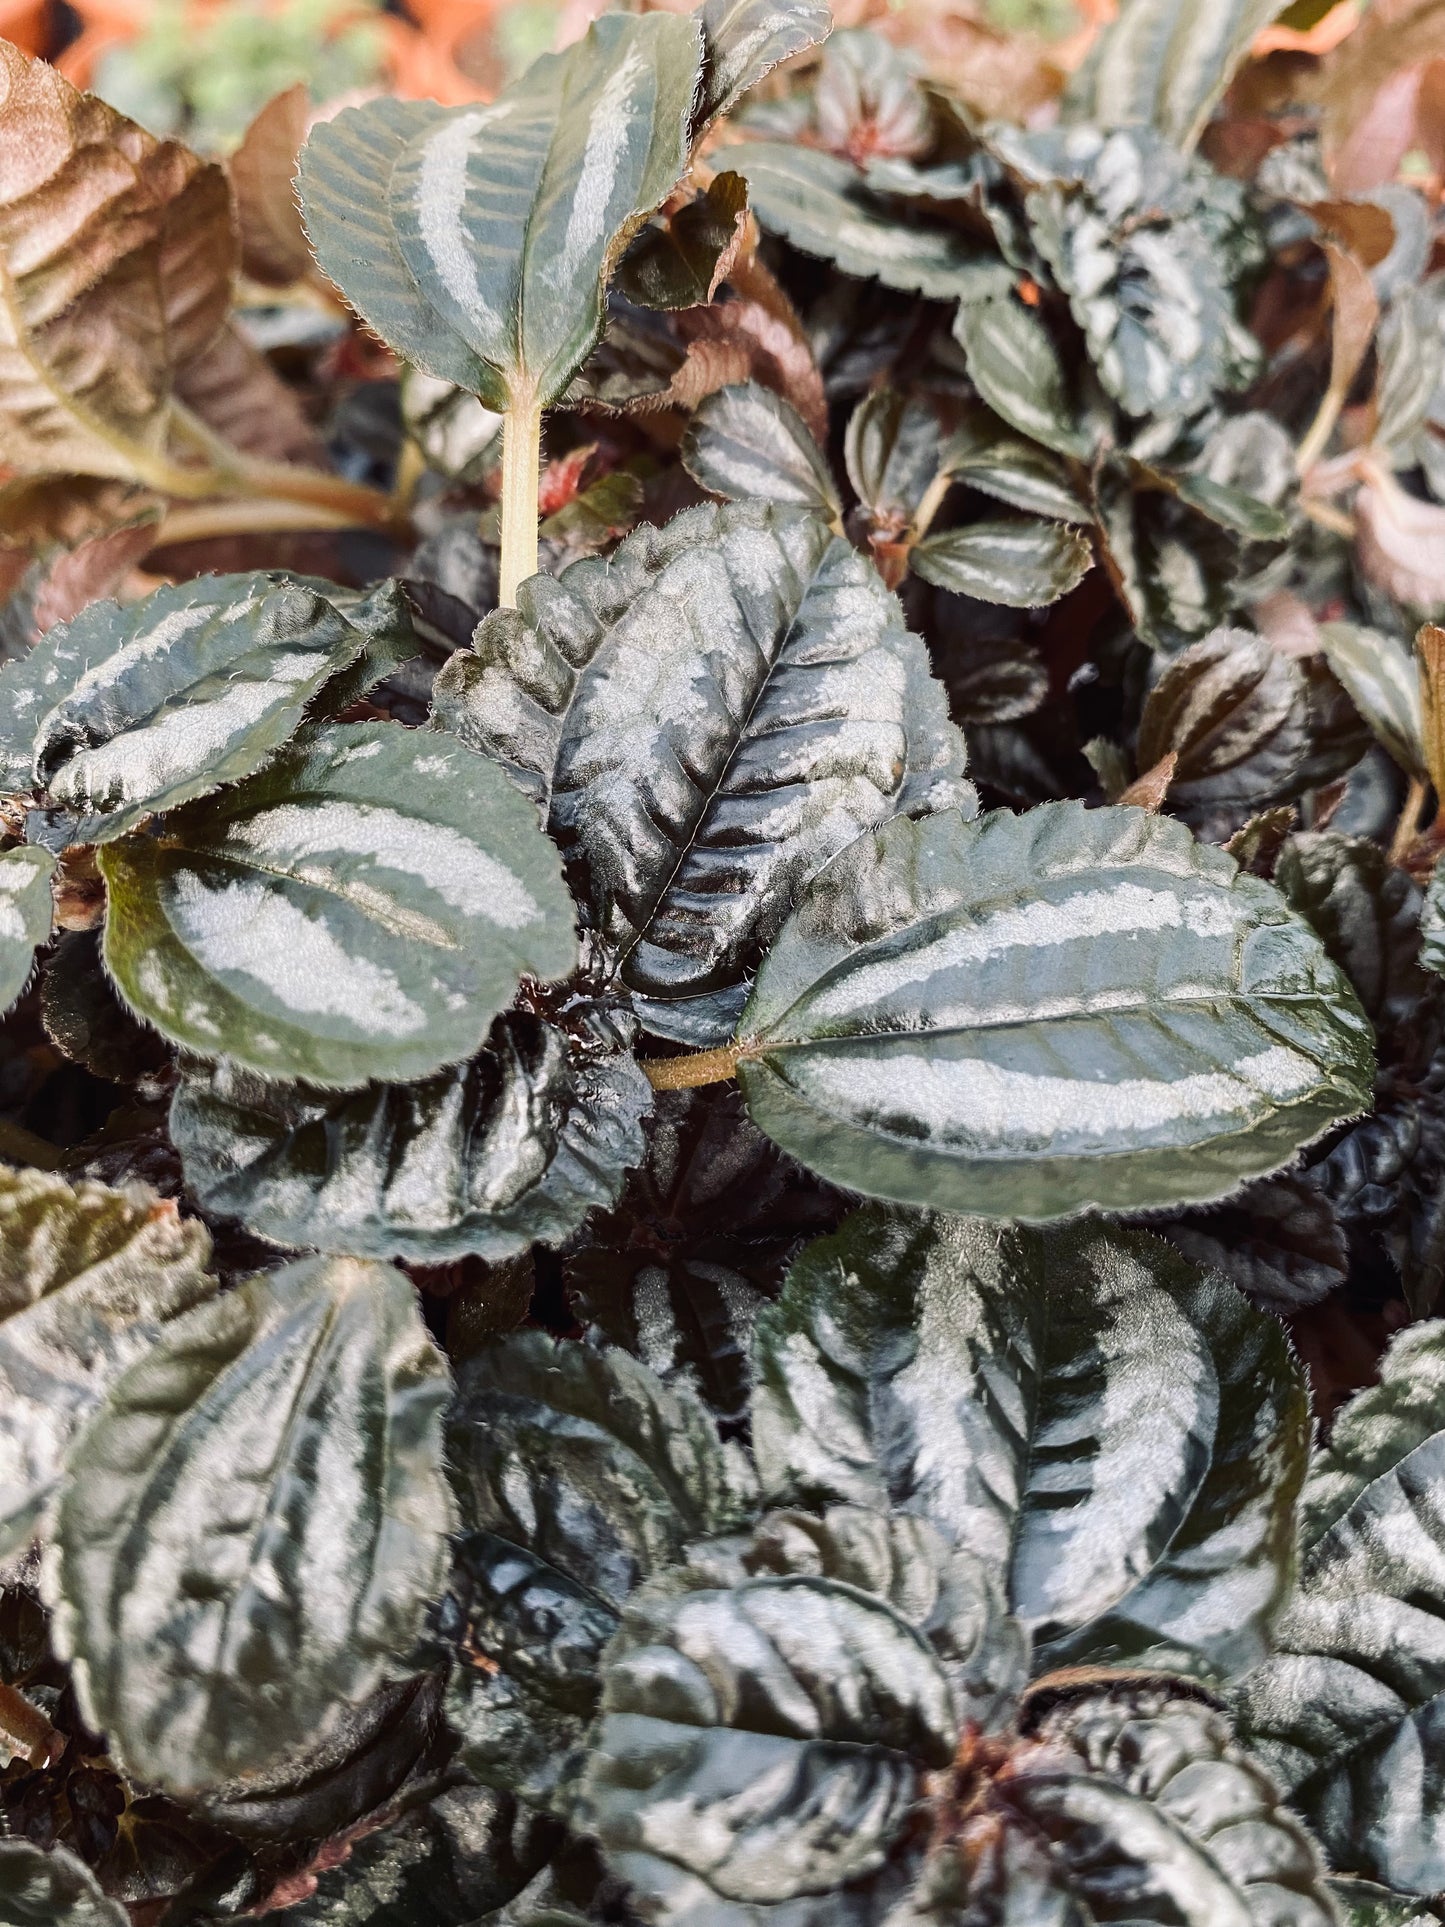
point(521, 473)
point(687, 1073)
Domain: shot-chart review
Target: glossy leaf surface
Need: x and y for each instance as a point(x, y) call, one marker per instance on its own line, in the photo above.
point(579, 1475)
point(953, 1369)
point(130, 710)
point(706, 718)
point(1023, 564)
point(822, 205)
point(746, 441)
point(513, 1148)
point(464, 235)
point(363, 908)
point(26, 908)
point(264, 1489)
point(1347, 1712)
point(1114, 1016)
point(88, 1277)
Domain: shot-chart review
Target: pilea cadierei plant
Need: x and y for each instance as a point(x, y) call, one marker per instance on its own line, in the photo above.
point(685, 1232)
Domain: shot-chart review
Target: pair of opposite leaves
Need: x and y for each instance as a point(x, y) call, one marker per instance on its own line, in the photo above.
point(1019, 1016)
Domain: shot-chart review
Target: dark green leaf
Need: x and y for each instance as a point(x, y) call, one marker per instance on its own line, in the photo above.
point(462, 235)
point(894, 452)
point(511, 1149)
point(1149, 249)
point(953, 1370)
point(1114, 1017)
point(699, 1243)
point(986, 455)
point(1348, 1711)
point(1167, 65)
point(821, 205)
point(679, 261)
point(743, 40)
point(89, 1276)
point(55, 1889)
point(762, 1743)
point(580, 1474)
point(1013, 363)
point(1153, 1812)
point(252, 1526)
point(88, 1021)
point(362, 908)
point(1023, 564)
point(129, 710)
point(1384, 685)
point(1281, 1241)
point(746, 441)
point(1363, 1904)
point(26, 909)
point(1234, 710)
point(1367, 914)
point(707, 717)
point(996, 680)
point(1177, 571)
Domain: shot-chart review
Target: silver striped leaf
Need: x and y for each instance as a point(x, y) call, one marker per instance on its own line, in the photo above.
point(763, 1744)
point(88, 1277)
point(744, 441)
point(1116, 1433)
point(254, 1523)
point(511, 1149)
point(822, 205)
point(52, 1889)
point(1152, 1811)
point(1013, 363)
point(129, 710)
point(745, 39)
point(362, 909)
point(1349, 1711)
point(1024, 563)
point(991, 457)
point(26, 913)
point(478, 240)
point(1151, 250)
point(706, 718)
point(1167, 66)
point(1032, 1016)
point(1383, 681)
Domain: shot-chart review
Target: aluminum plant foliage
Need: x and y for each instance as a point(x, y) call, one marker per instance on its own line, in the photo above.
point(1347, 1712)
point(362, 908)
point(463, 235)
point(1164, 1540)
point(254, 1523)
point(26, 911)
point(706, 718)
point(1114, 1017)
point(510, 1149)
point(831, 1708)
point(128, 711)
point(89, 1276)
point(746, 442)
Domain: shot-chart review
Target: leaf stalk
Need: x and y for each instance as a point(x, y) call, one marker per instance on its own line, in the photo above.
point(688, 1073)
point(521, 475)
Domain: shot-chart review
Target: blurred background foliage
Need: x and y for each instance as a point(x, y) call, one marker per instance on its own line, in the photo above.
point(201, 69)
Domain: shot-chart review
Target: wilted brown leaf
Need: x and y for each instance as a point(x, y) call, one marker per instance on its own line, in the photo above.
point(263, 170)
point(116, 260)
point(1148, 791)
point(97, 568)
point(1368, 88)
point(235, 390)
point(1400, 542)
point(1356, 314)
